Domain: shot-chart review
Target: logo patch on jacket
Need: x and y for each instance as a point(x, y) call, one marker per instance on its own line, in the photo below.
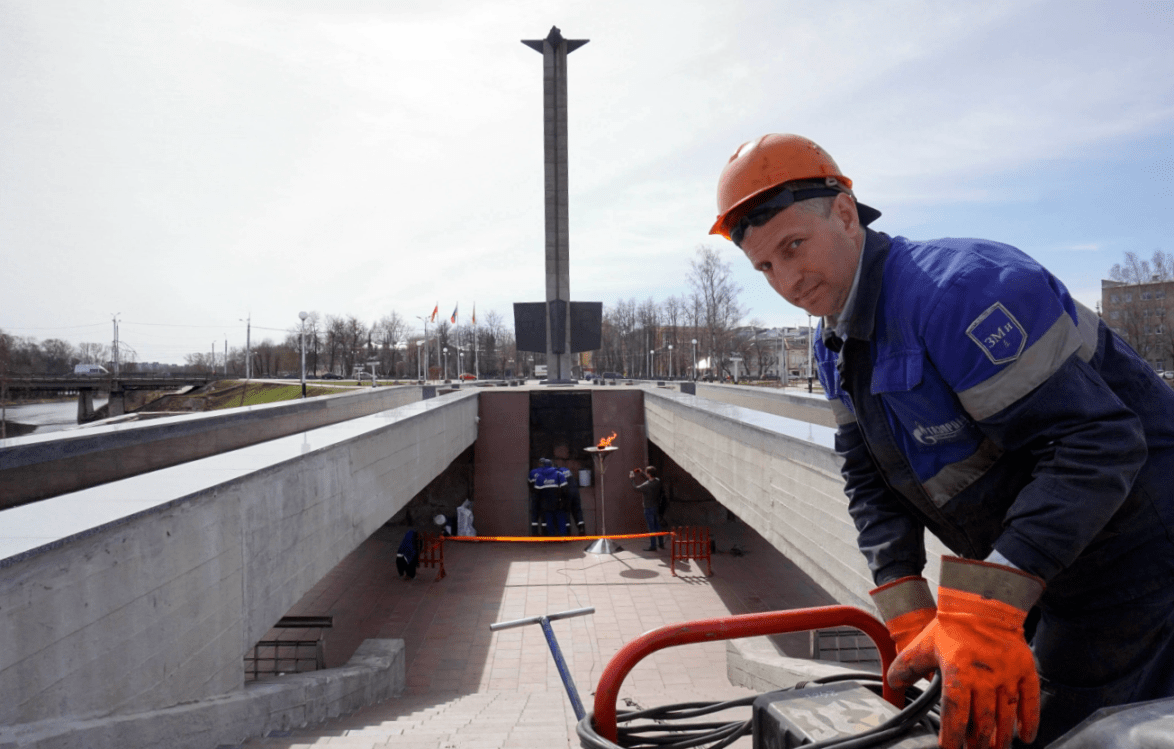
point(998, 334)
point(939, 433)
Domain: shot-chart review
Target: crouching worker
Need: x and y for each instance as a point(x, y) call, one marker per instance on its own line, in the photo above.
point(408, 555)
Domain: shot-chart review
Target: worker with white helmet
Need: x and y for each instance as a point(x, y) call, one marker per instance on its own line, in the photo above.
point(975, 398)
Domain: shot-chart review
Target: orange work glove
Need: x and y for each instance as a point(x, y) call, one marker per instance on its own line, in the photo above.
point(907, 607)
point(976, 640)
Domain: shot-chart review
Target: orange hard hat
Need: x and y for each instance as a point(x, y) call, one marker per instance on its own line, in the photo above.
point(760, 165)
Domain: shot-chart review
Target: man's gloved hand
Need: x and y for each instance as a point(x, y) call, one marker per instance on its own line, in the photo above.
point(976, 640)
point(907, 607)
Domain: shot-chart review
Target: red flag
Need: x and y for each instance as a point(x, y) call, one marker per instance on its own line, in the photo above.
point(474, 313)
point(454, 313)
point(435, 310)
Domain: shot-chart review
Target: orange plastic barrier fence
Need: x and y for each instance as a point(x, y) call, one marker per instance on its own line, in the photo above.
point(547, 539)
point(731, 628)
point(691, 543)
point(432, 555)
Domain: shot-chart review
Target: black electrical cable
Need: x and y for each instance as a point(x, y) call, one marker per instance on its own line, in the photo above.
point(663, 735)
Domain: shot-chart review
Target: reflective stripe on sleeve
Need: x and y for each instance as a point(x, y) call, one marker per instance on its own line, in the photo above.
point(1035, 365)
point(842, 413)
point(955, 477)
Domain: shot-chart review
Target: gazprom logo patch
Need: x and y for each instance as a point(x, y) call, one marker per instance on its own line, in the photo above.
point(998, 334)
point(939, 433)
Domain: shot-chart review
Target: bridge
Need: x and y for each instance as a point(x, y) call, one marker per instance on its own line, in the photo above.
point(135, 599)
point(116, 386)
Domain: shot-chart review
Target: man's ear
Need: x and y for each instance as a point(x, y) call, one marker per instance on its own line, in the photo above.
point(844, 213)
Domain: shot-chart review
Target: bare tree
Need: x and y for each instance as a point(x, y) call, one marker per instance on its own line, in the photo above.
point(493, 343)
point(648, 318)
point(335, 343)
point(713, 283)
point(389, 332)
point(624, 321)
point(93, 353)
point(313, 334)
point(674, 308)
point(201, 362)
point(1134, 270)
point(1138, 309)
point(59, 356)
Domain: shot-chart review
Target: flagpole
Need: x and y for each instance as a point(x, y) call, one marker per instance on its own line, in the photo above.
point(476, 348)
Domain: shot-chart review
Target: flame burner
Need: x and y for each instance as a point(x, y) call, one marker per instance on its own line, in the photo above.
point(600, 453)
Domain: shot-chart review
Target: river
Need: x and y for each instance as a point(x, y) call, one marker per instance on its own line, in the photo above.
point(48, 417)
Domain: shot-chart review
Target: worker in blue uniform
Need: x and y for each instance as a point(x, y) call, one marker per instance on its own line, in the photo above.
point(572, 501)
point(533, 502)
point(976, 399)
point(549, 483)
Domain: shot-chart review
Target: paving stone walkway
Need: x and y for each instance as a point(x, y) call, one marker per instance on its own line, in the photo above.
point(470, 688)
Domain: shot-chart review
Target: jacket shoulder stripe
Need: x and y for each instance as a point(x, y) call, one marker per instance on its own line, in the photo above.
point(1035, 365)
point(842, 413)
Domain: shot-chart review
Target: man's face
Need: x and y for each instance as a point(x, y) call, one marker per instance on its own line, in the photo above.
point(808, 259)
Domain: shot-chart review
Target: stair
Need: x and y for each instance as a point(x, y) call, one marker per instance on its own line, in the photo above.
point(485, 720)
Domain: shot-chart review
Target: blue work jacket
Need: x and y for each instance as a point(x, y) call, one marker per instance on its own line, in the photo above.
point(974, 397)
point(548, 481)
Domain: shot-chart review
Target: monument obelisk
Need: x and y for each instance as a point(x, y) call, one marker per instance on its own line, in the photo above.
point(554, 49)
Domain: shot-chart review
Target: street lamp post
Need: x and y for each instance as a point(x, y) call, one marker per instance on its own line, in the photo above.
point(248, 346)
point(425, 321)
point(302, 340)
point(670, 361)
point(651, 363)
point(782, 359)
point(419, 361)
point(446, 363)
point(694, 360)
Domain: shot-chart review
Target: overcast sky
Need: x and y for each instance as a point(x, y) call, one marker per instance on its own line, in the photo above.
point(190, 164)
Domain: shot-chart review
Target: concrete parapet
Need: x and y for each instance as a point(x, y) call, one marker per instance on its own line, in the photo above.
point(801, 407)
point(46, 465)
point(158, 606)
point(375, 673)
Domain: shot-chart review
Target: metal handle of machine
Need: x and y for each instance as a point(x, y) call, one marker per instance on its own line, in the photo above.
point(732, 628)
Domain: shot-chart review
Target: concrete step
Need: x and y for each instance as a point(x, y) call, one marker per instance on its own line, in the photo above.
point(473, 721)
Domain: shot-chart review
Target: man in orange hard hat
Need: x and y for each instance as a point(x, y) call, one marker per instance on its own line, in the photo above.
point(975, 398)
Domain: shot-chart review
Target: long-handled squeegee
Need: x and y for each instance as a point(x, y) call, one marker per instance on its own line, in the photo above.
point(557, 654)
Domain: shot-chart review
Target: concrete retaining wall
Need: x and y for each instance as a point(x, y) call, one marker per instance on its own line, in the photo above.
point(373, 674)
point(755, 663)
point(46, 465)
point(159, 608)
point(814, 410)
point(780, 476)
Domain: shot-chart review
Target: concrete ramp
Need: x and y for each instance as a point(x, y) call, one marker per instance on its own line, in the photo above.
point(148, 591)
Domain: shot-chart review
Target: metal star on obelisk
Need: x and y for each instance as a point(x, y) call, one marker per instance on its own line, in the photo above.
point(559, 326)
